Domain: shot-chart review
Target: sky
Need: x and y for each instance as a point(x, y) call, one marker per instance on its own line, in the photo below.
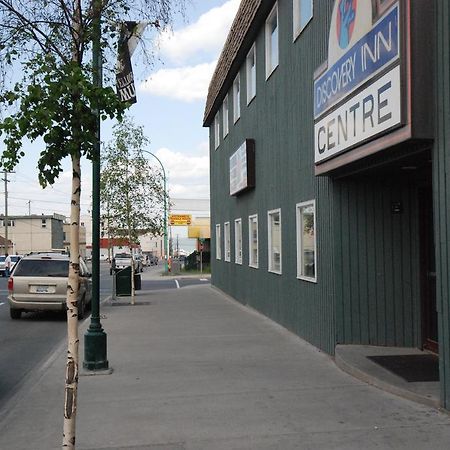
point(170, 108)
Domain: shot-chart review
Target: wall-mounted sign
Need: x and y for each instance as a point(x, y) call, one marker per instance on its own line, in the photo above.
point(359, 95)
point(374, 94)
point(180, 219)
point(242, 168)
point(370, 112)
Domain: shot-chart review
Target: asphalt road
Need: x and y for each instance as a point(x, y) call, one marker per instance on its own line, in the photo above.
point(26, 343)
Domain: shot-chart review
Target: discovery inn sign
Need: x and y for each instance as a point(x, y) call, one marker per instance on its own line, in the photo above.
point(359, 94)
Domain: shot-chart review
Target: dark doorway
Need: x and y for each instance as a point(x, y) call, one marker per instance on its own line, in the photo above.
point(428, 271)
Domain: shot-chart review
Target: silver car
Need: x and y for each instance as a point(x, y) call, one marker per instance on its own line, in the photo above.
point(39, 283)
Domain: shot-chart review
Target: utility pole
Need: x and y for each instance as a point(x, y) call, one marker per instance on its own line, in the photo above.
point(6, 211)
point(31, 226)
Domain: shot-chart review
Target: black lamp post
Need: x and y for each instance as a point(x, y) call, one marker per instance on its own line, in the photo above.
point(95, 355)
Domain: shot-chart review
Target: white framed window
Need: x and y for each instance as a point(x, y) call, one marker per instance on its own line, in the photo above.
point(272, 41)
point(302, 14)
point(218, 242)
point(237, 98)
point(253, 258)
point(225, 116)
point(238, 241)
point(11, 223)
point(251, 74)
point(306, 241)
point(227, 241)
point(216, 131)
point(274, 240)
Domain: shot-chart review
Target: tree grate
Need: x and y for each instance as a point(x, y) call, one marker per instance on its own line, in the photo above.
point(114, 303)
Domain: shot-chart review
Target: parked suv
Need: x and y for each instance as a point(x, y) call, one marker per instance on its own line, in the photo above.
point(39, 283)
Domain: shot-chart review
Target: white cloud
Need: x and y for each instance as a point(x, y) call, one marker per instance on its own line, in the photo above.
point(204, 38)
point(188, 176)
point(200, 191)
point(184, 83)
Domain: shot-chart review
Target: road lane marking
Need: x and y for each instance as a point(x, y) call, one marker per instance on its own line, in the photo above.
point(2, 303)
point(178, 284)
point(203, 279)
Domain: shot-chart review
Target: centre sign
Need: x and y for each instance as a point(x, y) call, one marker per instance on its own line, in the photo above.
point(358, 96)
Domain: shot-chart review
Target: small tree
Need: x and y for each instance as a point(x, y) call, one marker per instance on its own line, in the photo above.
point(49, 44)
point(131, 189)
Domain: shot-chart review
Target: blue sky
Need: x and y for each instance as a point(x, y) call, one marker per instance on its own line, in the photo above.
point(170, 107)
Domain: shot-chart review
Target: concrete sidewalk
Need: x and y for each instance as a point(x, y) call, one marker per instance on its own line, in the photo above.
point(195, 370)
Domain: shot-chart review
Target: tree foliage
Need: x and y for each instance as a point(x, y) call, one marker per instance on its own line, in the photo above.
point(131, 189)
point(47, 91)
point(49, 43)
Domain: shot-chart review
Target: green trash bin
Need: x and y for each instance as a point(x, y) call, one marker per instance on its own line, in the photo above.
point(123, 282)
point(137, 281)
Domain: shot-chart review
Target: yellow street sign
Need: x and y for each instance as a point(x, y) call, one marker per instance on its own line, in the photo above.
point(180, 219)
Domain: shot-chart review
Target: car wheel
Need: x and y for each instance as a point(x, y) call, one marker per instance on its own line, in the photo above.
point(15, 313)
point(81, 309)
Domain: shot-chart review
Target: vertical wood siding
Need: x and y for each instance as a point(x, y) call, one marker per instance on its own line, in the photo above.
point(280, 119)
point(377, 263)
point(441, 192)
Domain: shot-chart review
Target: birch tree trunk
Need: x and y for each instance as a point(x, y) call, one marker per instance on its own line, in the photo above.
point(73, 285)
point(133, 271)
point(71, 381)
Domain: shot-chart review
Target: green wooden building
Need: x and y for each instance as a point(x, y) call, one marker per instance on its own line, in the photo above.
point(329, 146)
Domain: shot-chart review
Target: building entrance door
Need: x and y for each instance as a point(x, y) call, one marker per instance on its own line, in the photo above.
point(428, 271)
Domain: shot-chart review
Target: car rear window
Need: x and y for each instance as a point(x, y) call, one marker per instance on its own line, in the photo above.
point(42, 268)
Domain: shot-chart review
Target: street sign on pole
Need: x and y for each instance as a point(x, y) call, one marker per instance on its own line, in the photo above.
point(180, 219)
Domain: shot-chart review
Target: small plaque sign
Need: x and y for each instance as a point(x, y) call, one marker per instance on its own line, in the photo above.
point(242, 168)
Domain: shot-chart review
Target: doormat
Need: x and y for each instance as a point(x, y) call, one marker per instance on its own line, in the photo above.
point(412, 368)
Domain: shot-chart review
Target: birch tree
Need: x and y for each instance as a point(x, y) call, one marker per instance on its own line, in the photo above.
point(47, 95)
point(131, 188)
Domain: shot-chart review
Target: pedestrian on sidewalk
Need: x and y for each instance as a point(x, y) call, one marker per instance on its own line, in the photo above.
point(7, 265)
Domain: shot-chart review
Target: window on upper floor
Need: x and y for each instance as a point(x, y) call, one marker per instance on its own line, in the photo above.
point(236, 98)
point(251, 74)
point(253, 258)
point(274, 240)
point(225, 117)
point(11, 223)
point(302, 14)
point(306, 241)
point(272, 41)
point(44, 223)
point(216, 131)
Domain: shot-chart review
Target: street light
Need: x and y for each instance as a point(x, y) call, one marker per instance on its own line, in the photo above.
point(165, 208)
point(95, 351)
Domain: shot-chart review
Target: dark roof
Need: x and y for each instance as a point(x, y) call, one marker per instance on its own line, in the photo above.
point(3, 240)
point(239, 29)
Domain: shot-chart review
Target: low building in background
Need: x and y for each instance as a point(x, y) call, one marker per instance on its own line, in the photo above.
point(35, 233)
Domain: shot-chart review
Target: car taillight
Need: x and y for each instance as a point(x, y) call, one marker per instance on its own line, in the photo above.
point(10, 284)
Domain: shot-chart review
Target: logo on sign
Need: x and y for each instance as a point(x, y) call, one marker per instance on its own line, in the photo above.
point(369, 55)
point(345, 21)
